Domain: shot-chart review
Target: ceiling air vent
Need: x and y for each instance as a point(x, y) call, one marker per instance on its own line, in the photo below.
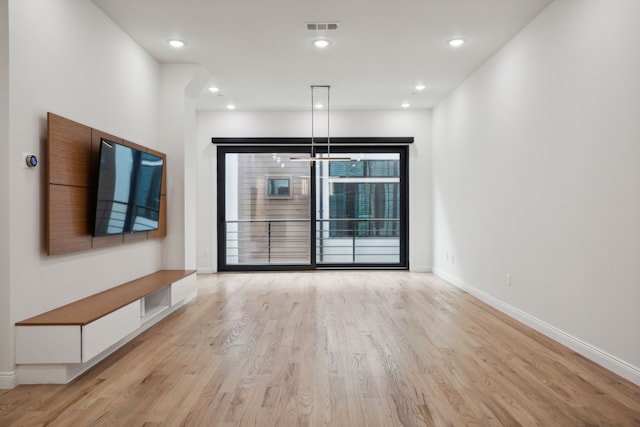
point(322, 26)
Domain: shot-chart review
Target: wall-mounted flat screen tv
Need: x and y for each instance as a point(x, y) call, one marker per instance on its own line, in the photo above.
point(129, 186)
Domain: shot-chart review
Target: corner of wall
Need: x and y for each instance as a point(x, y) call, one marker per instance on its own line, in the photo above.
point(421, 269)
point(8, 380)
point(180, 85)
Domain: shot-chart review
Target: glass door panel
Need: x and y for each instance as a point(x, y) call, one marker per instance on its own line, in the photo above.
point(359, 210)
point(267, 209)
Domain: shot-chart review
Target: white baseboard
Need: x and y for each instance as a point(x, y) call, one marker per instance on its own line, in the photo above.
point(47, 374)
point(205, 270)
point(8, 380)
point(602, 358)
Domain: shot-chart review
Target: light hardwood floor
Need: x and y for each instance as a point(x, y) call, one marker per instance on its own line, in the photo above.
point(333, 349)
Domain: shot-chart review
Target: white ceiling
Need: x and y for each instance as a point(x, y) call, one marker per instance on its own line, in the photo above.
point(260, 53)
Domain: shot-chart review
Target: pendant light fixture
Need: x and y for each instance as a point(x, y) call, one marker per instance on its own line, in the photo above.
point(314, 157)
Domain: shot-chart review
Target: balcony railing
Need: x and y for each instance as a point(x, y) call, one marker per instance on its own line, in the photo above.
point(338, 241)
point(268, 241)
point(358, 240)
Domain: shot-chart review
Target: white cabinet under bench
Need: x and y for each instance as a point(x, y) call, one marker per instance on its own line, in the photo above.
point(57, 346)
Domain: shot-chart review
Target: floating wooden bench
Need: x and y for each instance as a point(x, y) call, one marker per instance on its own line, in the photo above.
point(58, 345)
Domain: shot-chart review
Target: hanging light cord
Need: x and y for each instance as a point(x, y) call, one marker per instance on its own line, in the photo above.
point(313, 109)
point(328, 121)
point(314, 157)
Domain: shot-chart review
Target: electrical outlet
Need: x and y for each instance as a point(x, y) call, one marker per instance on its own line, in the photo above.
point(453, 259)
point(508, 279)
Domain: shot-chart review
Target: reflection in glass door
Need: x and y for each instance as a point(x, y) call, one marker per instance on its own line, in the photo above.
point(358, 210)
point(266, 210)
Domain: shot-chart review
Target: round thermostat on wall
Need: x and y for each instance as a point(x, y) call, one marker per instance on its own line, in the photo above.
point(32, 160)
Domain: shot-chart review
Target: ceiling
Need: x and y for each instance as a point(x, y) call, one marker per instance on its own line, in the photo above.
point(260, 53)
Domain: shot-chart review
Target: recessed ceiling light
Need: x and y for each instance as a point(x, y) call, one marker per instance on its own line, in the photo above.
point(405, 105)
point(321, 43)
point(213, 89)
point(231, 107)
point(176, 43)
point(420, 87)
point(456, 42)
point(319, 106)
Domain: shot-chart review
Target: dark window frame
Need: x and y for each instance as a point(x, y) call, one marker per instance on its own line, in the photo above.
point(301, 145)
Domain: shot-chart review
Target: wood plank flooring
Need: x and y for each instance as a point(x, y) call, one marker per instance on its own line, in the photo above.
point(333, 349)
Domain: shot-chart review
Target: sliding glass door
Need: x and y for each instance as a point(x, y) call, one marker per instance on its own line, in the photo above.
point(358, 210)
point(279, 211)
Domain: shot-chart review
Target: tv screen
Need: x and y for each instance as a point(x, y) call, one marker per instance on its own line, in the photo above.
point(129, 186)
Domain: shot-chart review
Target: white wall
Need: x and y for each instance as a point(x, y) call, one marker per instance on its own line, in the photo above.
point(67, 57)
point(7, 374)
point(179, 85)
point(537, 174)
point(298, 124)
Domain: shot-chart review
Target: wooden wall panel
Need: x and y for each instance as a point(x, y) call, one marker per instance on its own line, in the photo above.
point(136, 237)
point(69, 222)
point(69, 152)
point(73, 154)
point(106, 241)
